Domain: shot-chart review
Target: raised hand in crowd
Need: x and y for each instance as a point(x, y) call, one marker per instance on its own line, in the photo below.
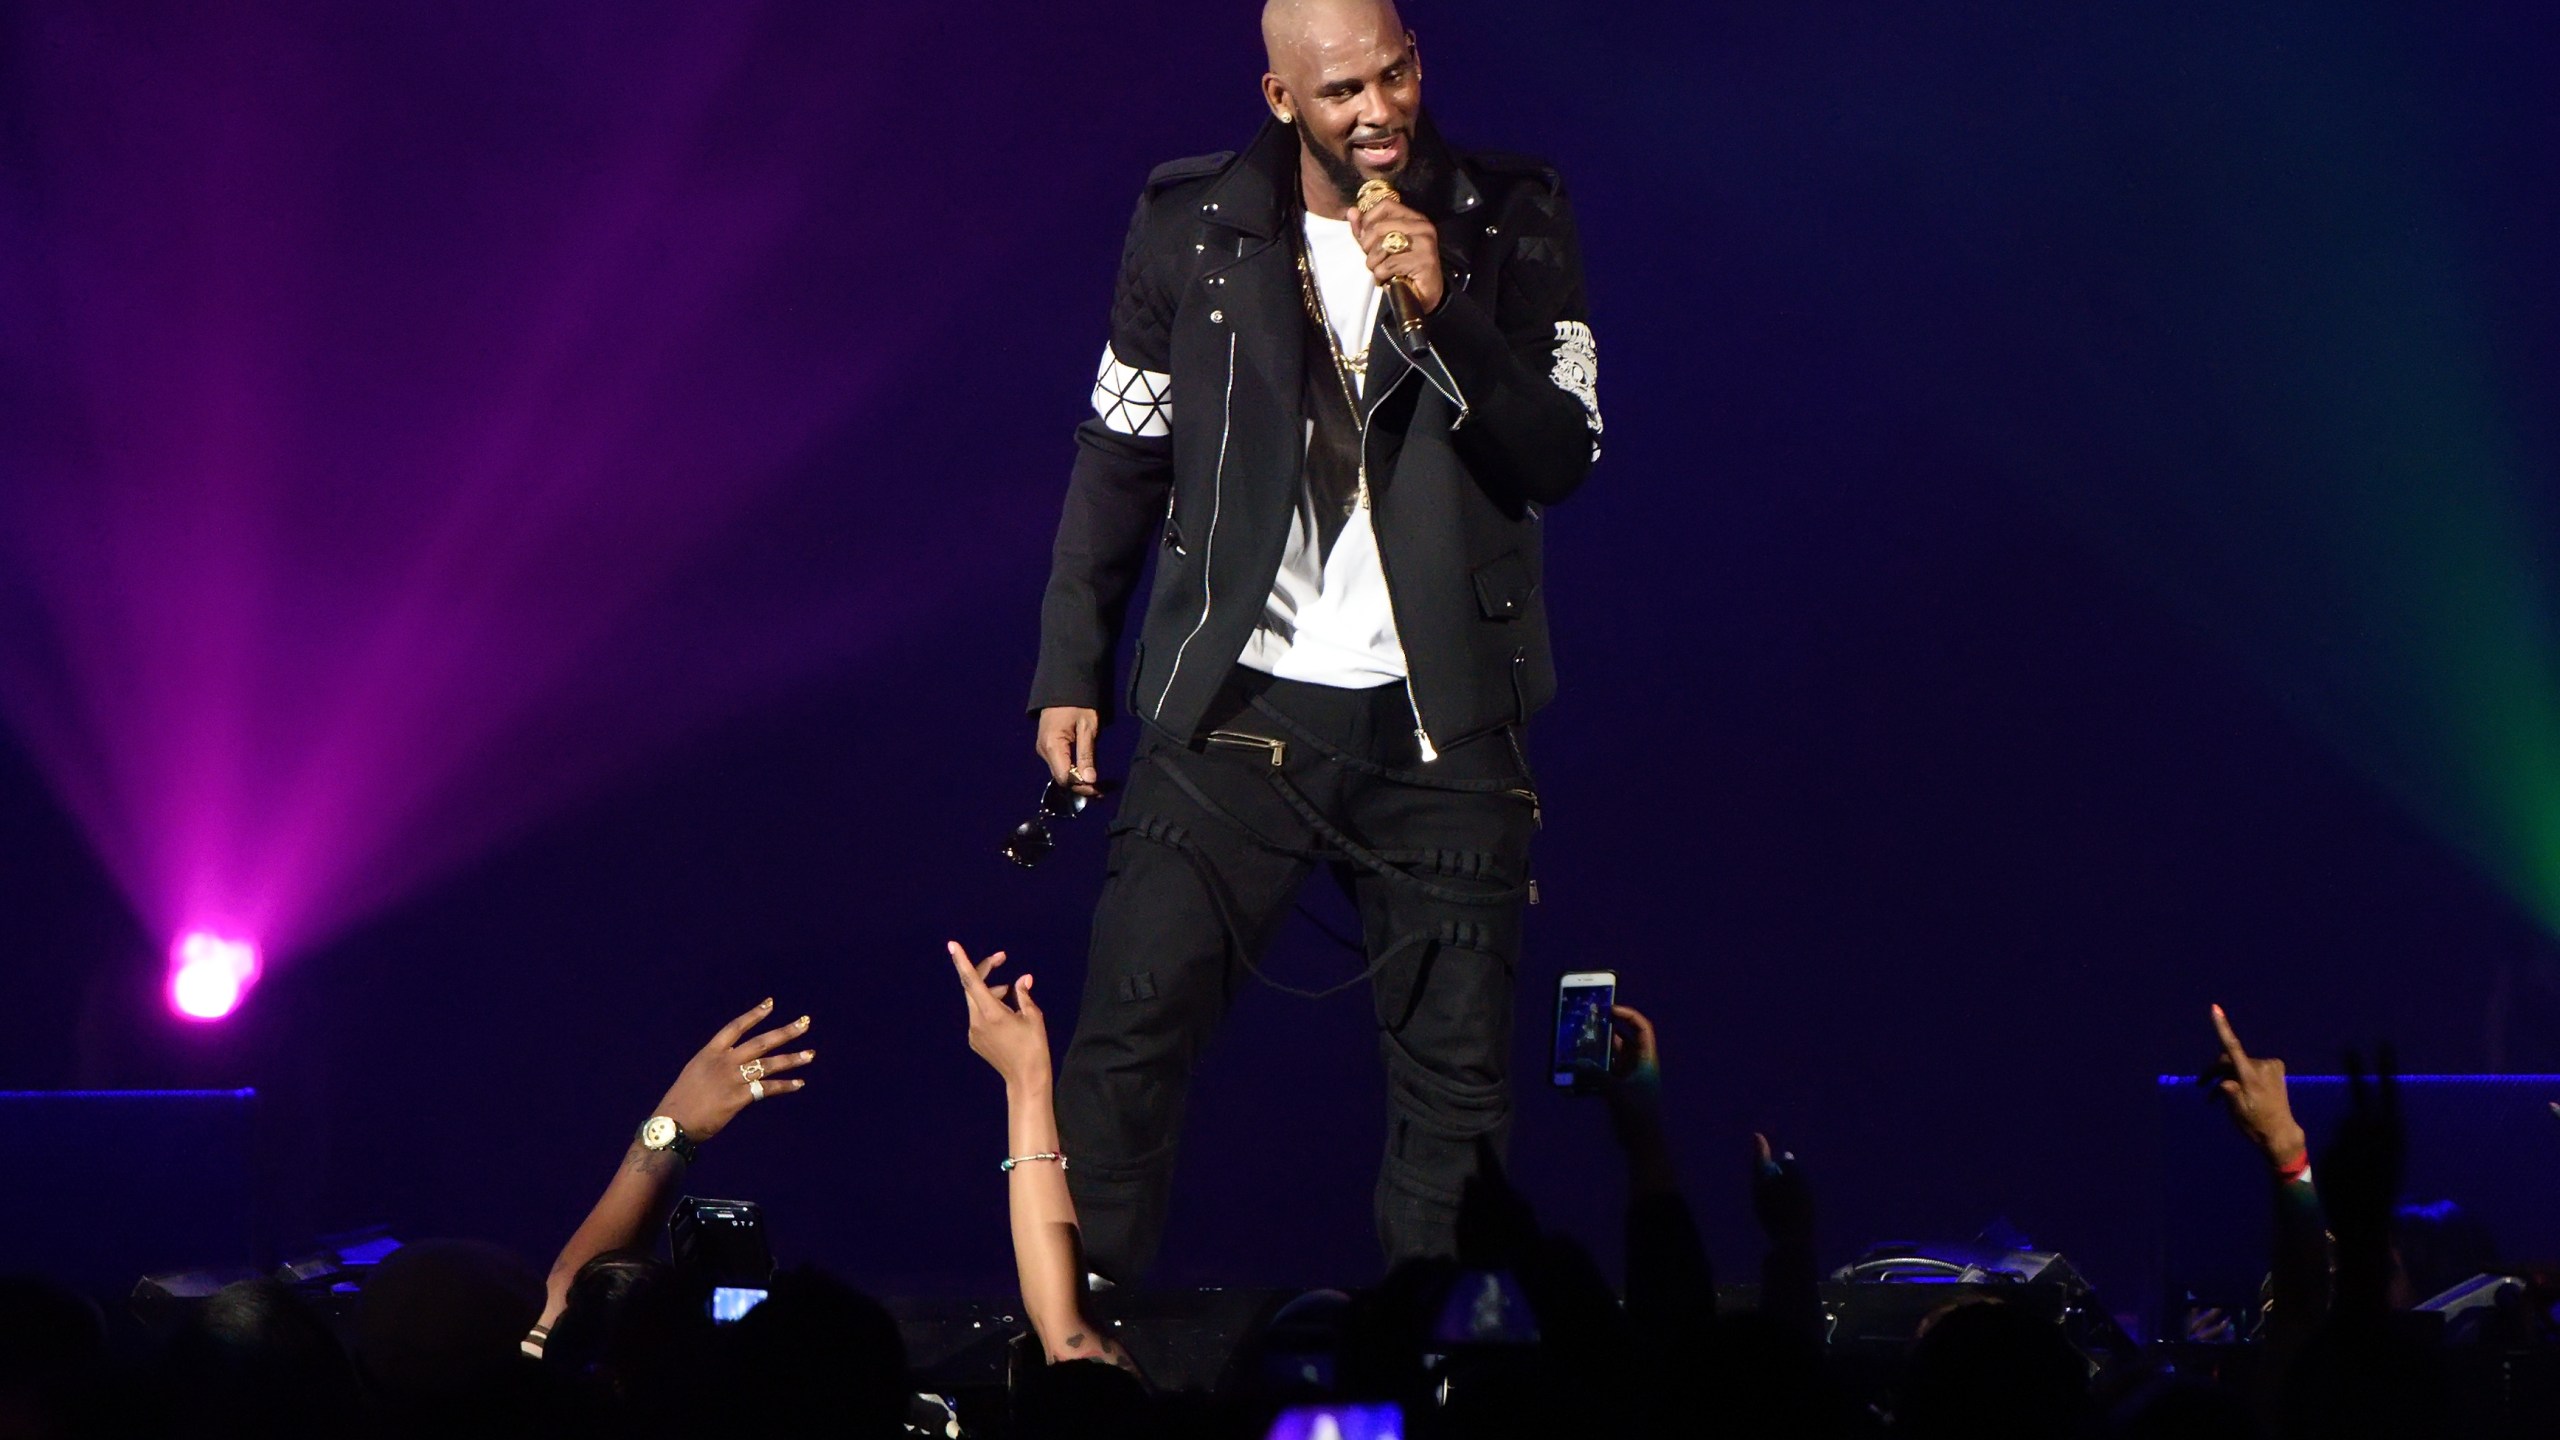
point(2360, 1184)
point(2252, 1089)
point(1007, 1030)
point(1667, 1267)
point(733, 1071)
point(1790, 1278)
point(1780, 1198)
point(1635, 1101)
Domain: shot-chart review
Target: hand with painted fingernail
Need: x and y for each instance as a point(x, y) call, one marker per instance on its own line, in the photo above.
point(2252, 1088)
point(1014, 1038)
point(734, 1071)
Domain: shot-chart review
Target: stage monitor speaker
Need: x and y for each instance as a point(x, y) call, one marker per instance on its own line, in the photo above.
point(104, 1185)
point(1877, 1302)
point(2488, 1143)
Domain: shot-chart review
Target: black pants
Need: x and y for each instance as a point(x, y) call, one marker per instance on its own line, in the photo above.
point(1210, 844)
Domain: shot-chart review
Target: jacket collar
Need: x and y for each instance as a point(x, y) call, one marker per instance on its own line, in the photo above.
point(1258, 194)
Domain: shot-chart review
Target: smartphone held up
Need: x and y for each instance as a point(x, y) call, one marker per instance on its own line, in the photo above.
point(1584, 1024)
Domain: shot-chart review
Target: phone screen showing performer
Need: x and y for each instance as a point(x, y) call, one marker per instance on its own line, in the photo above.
point(730, 1303)
point(1583, 1027)
point(1339, 1422)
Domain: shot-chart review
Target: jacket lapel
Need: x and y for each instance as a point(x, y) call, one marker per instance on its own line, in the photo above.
point(1254, 291)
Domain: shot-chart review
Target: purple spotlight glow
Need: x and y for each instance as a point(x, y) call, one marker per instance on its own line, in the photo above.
point(427, 442)
point(209, 975)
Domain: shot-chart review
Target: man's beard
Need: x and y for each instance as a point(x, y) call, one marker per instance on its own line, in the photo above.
point(1347, 176)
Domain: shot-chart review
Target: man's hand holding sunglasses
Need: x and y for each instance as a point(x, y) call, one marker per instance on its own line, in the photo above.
point(1065, 742)
point(1032, 840)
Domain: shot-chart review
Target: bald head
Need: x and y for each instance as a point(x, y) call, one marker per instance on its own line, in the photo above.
point(1295, 32)
point(1345, 73)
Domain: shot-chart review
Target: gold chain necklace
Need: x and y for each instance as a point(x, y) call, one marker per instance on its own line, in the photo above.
point(1345, 366)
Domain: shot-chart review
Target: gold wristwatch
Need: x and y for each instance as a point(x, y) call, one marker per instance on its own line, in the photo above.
point(662, 1133)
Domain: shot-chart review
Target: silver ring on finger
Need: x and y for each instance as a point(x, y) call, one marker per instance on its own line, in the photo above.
point(755, 1089)
point(752, 1071)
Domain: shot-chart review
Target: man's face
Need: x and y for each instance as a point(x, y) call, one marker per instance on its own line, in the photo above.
point(1358, 93)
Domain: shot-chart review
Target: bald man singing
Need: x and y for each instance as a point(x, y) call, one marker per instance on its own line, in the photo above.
point(1348, 370)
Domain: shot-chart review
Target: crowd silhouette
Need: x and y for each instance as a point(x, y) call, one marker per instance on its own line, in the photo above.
point(1517, 1334)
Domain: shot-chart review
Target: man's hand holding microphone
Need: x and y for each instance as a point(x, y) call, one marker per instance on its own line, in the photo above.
point(1404, 253)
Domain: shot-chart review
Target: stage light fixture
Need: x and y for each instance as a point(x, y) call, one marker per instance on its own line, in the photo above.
point(210, 974)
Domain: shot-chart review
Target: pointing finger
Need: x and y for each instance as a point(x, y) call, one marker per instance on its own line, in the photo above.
point(2230, 1042)
point(971, 985)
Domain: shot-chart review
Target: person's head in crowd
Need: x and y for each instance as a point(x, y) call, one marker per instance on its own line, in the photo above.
point(2362, 1379)
point(443, 1319)
point(833, 1350)
point(1077, 1400)
point(1390, 1328)
point(2186, 1410)
point(2435, 1247)
point(52, 1347)
point(1991, 1371)
point(1752, 1377)
point(634, 1325)
point(255, 1360)
point(1295, 1356)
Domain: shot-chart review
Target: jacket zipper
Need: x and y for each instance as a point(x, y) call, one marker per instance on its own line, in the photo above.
point(1209, 547)
point(1421, 731)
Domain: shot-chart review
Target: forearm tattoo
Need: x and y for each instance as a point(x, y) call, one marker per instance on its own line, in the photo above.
point(1109, 1352)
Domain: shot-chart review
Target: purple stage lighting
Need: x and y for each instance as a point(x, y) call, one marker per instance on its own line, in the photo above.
point(424, 442)
point(210, 975)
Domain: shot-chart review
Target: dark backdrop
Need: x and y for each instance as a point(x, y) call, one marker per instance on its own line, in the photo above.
point(1925, 760)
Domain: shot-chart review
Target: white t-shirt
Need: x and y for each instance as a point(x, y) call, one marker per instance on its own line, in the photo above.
point(1329, 621)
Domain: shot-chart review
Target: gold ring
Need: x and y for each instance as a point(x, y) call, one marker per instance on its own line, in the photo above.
point(1375, 194)
point(755, 1089)
point(1395, 242)
point(752, 1071)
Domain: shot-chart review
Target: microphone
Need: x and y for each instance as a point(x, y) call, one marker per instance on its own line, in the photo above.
point(1401, 294)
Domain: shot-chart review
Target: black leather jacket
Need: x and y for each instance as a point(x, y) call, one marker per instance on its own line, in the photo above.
point(1197, 441)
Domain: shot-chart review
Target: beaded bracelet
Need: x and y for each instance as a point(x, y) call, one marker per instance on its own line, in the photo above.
point(1007, 1166)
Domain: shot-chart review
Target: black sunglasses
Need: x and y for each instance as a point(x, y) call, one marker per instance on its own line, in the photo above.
point(1031, 840)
